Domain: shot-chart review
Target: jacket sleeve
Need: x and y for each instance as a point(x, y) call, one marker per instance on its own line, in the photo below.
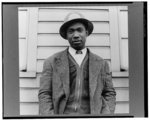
point(45, 91)
point(108, 93)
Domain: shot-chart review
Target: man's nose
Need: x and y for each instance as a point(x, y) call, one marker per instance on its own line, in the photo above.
point(76, 35)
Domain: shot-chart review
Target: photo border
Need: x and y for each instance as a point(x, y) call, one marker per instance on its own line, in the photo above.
point(138, 83)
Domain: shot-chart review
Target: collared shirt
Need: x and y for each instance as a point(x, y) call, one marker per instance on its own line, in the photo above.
point(78, 57)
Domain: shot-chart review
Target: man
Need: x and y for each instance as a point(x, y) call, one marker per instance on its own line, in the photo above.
point(76, 81)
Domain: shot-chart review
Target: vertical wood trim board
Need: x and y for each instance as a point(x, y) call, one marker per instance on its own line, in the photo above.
point(114, 39)
point(32, 39)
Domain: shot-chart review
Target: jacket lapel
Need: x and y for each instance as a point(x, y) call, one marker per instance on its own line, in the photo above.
point(94, 69)
point(62, 67)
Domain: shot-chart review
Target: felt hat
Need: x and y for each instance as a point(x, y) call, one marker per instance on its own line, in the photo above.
point(72, 18)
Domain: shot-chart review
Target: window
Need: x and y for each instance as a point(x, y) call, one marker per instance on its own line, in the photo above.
point(27, 41)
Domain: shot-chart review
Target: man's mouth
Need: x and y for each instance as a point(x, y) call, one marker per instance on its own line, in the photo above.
point(77, 42)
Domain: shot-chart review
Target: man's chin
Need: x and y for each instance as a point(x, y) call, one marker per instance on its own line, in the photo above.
point(78, 48)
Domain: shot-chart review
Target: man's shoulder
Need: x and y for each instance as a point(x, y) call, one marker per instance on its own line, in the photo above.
point(95, 56)
point(55, 55)
point(99, 59)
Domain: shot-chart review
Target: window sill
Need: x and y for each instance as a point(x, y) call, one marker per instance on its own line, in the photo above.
point(120, 74)
point(27, 74)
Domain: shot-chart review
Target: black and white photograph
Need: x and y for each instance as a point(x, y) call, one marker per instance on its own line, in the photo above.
point(73, 60)
point(70, 82)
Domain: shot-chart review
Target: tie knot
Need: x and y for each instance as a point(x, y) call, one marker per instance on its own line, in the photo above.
point(78, 52)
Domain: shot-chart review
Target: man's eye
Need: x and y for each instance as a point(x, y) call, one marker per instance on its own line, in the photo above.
point(80, 30)
point(70, 31)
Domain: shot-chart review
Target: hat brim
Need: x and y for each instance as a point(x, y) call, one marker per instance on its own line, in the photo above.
point(64, 27)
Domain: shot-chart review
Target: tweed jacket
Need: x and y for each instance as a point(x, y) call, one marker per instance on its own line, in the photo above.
point(54, 85)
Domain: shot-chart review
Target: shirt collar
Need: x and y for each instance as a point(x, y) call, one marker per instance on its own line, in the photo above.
point(72, 51)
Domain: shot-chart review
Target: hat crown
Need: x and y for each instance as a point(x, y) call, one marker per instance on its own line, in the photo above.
point(73, 15)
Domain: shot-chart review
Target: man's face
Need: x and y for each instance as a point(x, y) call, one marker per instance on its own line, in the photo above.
point(76, 35)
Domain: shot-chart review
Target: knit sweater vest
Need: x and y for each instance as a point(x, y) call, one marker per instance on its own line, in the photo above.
point(78, 101)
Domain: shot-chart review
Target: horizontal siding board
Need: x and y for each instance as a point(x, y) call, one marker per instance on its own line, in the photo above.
point(45, 52)
point(122, 107)
point(27, 74)
point(122, 94)
point(57, 40)
point(29, 82)
point(31, 95)
point(51, 40)
point(60, 14)
point(53, 27)
point(35, 82)
point(40, 65)
point(98, 40)
point(103, 52)
point(29, 109)
point(121, 82)
point(33, 108)
point(120, 74)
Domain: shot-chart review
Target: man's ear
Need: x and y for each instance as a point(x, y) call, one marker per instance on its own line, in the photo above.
point(87, 32)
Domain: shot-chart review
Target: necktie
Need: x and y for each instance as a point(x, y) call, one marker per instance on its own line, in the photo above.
point(78, 52)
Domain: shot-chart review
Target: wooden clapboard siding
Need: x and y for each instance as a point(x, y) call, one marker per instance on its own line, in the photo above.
point(51, 40)
point(41, 61)
point(53, 27)
point(29, 108)
point(31, 94)
point(27, 74)
point(122, 94)
point(122, 107)
point(32, 108)
point(120, 74)
point(45, 52)
point(35, 82)
point(57, 40)
point(94, 15)
point(40, 65)
point(121, 82)
point(30, 82)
